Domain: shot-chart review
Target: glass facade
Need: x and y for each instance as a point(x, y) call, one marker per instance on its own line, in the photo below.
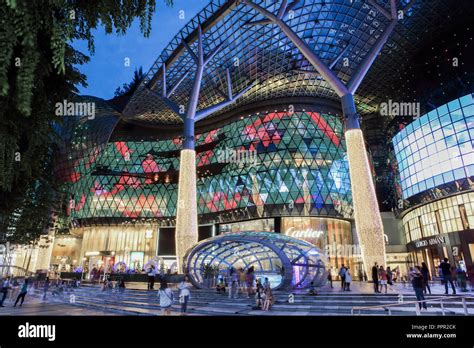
point(450, 214)
point(296, 164)
point(119, 243)
point(437, 148)
point(332, 236)
point(285, 261)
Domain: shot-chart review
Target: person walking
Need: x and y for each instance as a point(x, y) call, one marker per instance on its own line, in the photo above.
point(342, 275)
point(14, 289)
point(267, 304)
point(383, 279)
point(375, 277)
point(22, 294)
point(425, 272)
point(6, 285)
point(330, 278)
point(166, 298)
point(389, 276)
point(242, 280)
point(249, 278)
point(184, 294)
point(46, 285)
point(234, 285)
point(461, 277)
point(447, 277)
point(121, 286)
point(348, 280)
point(151, 277)
point(259, 295)
point(417, 282)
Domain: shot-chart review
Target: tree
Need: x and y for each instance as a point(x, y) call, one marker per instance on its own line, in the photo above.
point(128, 89)
point(37, 69)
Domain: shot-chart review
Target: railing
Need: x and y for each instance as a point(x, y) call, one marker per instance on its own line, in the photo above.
point(388, 307)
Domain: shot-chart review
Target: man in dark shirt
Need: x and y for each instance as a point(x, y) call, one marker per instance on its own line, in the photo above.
point(418, 286)
point(375, 277)
point(446, 272)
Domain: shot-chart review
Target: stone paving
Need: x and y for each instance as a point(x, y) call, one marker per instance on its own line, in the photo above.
point(136, 300)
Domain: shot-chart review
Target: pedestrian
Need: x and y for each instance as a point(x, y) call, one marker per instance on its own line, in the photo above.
point(22, 294)
point(151, 277)
point(425, 272)
point(447, 277)
point(389, 276)
point(259, 295)
point(342, 275)
point(461, 276)
point(166, 298)
point(15, 289)
point(383, 278)
point(249, 278)
point(454, 276)
point(348, 280)
point(121, 286)
point(5, 287)
point(233, 283)
point(330, 278)
point(470, 277)
point(375, 277)
point(267, 304)
point(242, 280)
point(46, 285)
point(184, 294)
point(417, 282)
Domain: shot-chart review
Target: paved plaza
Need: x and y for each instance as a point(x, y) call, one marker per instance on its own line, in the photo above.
point(136, 300)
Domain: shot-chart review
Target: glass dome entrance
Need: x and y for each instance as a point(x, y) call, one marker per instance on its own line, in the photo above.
point(286, 262)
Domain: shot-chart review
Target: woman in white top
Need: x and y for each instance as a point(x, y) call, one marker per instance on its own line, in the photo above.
point(166, 298)
point(184, 294)
point(348, 279)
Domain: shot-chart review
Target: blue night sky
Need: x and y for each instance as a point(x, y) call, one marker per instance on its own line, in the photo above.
point(106, 71)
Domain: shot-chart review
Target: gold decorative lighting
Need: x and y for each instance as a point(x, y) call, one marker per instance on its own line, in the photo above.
point(366, 209)
point(186, 216)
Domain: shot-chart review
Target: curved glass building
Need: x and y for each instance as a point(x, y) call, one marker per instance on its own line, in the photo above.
point(435, 158)
point(287, 262)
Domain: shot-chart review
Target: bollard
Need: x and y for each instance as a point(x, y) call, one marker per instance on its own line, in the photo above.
point(464, 305)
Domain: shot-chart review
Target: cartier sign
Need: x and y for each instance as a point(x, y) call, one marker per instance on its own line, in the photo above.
point(431, 241)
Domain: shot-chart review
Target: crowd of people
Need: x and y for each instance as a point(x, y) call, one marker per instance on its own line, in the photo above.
point(16, 288)
point(232, 282)
point(246, 282)
point(381, 277)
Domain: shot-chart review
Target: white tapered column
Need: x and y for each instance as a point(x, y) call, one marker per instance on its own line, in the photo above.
point(186, 217)
point(366, 209)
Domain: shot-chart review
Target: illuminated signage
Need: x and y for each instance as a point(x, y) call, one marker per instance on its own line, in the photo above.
point(431, 241)
point(308, 233)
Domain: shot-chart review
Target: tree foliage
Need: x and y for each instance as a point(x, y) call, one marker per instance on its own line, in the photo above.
point(38, 69)
point(127, 89)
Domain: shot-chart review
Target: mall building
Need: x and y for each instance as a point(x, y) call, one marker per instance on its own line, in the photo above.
point(435, 160)
point(276, 158)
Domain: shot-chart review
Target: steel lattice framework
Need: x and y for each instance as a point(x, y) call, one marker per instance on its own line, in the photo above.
point(298, 262)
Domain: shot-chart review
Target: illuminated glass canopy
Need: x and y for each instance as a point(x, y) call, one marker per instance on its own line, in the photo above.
point(286, 261)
